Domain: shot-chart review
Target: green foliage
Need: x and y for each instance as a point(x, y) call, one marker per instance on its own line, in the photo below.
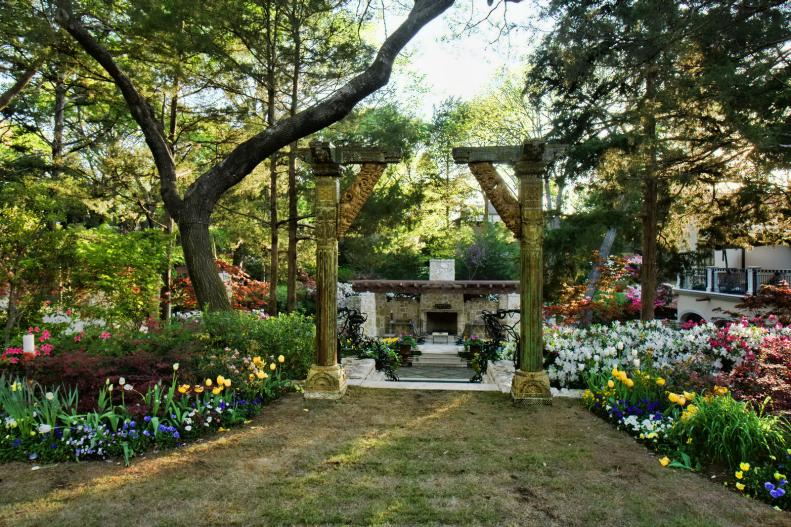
point(493, 254)
point(291, 335)
point(119, 274)
point(726, 431)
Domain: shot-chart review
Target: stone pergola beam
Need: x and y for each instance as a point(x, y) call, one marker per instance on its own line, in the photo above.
point(326, 379)
point(357, 194)
point(506, 205)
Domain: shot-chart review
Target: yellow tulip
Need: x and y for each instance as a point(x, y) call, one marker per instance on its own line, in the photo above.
point(615, 372)
point(610, 384)
point(227, 382)
point(216, 391)
point(208, 382)
point(273, 366)
point(672, 397)
point(740, 486)
point(629, 383)
point(665, 461)
point(739, 474)
point(198, 388)
point(689, 395)
point(261, 375)
point(744, 466)
point(220, 380)
point(281, 359)
point(660, 381)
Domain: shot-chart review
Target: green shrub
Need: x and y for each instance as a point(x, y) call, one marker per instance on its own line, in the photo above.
point(292, 335)
point(726, 431)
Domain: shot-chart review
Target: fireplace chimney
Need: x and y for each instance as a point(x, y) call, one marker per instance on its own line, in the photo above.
point(442, 269)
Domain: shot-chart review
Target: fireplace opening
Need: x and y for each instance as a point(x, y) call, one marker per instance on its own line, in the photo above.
point(441, 322)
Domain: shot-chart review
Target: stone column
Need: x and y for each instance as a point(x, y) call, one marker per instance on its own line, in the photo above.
point(326, 379)
point(531, 383)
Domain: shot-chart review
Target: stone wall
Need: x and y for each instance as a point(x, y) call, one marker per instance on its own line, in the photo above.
point(365, 303)
point(395, 309)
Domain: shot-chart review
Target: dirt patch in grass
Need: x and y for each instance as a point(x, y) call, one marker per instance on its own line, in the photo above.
point(382, 457)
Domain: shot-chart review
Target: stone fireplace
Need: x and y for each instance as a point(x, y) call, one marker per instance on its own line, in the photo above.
point(440, 304)
point(442, 322)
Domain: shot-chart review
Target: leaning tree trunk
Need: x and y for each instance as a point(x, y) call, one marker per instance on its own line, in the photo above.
point(210, 186)
point(197, 245)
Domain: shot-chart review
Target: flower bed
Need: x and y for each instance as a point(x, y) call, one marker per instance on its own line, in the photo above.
point(705, 397)
point(697, 356)
point(105, 391)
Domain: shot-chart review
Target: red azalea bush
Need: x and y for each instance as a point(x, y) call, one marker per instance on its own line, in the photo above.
point(247, 292)
point(89, 372)
point(766, 374)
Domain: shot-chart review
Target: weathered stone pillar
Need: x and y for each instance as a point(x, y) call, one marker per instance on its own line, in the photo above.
point(531, 383)
point(326, 379)
point(524, 217)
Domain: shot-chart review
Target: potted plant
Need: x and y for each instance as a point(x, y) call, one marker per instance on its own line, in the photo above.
point(405, 345)
point(474, 344)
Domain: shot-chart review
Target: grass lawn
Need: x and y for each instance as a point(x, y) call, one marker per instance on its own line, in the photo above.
point(386, 457)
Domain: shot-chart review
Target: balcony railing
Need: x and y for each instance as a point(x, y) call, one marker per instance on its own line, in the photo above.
point(731, 281)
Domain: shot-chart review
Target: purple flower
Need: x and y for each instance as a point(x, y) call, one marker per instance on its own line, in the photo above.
point(768, 486)
point(16, 442)
point(176, 435)
point(777, 493)
point(147, 418)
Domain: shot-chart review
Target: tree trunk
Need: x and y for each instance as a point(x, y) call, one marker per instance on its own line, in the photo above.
point(166, 301)
point(271, 89)
point(274, 239)
point(595, 274)
point(58, 123)
point(291, 281)
point(648, 269)
point(197, 245)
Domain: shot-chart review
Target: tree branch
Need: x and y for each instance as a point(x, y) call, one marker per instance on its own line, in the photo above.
point(141, 111)
point(19, 85)
point(245, 157)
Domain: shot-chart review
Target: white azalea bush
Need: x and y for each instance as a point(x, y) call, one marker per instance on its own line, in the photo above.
point(572, 352)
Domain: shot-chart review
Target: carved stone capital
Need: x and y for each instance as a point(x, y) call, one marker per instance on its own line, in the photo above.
point(531, 387)
point(499, 194)
point(325, 382)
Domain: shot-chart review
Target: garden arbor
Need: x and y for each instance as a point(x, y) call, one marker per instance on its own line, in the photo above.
point(524, 216)
point(334, 215)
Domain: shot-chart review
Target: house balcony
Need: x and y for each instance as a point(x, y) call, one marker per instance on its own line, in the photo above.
point(711, 293)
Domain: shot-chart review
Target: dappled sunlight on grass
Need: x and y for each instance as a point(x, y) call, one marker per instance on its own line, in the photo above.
point(142, 469)
point(381, 457)
point(363, 445)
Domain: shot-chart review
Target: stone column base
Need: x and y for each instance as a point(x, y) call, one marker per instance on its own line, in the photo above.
point(325, 382)
point(531, 387)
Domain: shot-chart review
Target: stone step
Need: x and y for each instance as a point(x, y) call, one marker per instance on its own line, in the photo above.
point(440, 360)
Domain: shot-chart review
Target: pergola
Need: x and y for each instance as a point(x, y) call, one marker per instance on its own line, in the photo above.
point(522, 214)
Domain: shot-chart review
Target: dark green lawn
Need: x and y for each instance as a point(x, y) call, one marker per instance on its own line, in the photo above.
point(388, 458)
